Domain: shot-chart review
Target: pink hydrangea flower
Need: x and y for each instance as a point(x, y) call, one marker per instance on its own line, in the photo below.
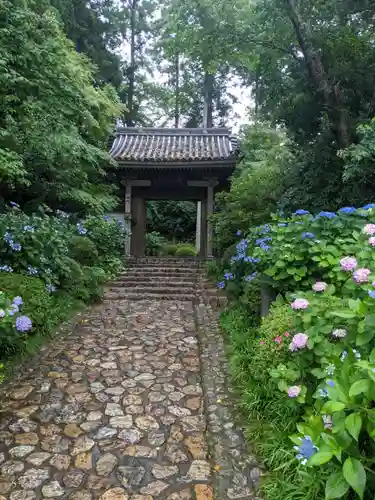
point(300, 340)
point(339, 333)
point(319, 286)
point(286, 334)
point(369, 229)
point(348, 263)
point(294, 391)
point(361, 275)
point(261, 342)
point(300, 304)
point(278, 339)
point(373, 284)
point(372, 241)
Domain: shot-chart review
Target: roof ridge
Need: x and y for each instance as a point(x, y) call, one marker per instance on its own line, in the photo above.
point(173, 131)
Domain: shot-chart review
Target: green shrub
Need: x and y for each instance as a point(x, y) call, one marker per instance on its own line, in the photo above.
point(107, 233)
point(169, 249)
point(154, 243)
point(83, 250)
point(38, 304)
point(185, 250)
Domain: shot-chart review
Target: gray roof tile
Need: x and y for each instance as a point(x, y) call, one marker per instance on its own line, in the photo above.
point(173, 145)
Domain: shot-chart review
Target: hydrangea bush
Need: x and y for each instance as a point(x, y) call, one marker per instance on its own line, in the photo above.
point(324, 364)
point(14, 325)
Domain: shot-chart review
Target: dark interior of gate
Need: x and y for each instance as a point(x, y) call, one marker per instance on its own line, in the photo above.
point(171, 164)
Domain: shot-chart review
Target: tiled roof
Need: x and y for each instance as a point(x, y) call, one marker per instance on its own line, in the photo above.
point(173, 145)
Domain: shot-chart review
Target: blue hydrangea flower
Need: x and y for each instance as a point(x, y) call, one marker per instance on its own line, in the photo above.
point(260, 241)
point(264, 247)
point(17, 247)
point(50, 288)
point(8, 269)
point(282, 224)
point(81, 230)
point(13, 309)
point(106, 217)
point(18, 301)
point(307, 235)
point(8, 237)
point(238, 233)
point(228, 276)
point(306, 449)
point(266, 228)
point(62, 214)
point(14, 204)
point(328, 215)
point(29, 229)
point(32, 271)
point(372, 293)
point(301, 212)
point(241, 246)
point(322, 393)
point(331, 383)
point(369, 206)
point(251, 276)
point(343, 355)
point(23, 324)
point(347, 210)
point(220, 284)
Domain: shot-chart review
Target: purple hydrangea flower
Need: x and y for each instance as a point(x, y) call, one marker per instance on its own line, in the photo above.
point(300, 304)
point(361, 275)
point(228, 276)
point(319, 286)
point(348, 263)
point(294, 391)
point(23, 324)
point(299, 341)
point(369, 229)
point(13, 309)
point(18, 301)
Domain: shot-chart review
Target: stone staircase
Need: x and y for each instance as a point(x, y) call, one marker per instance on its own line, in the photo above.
point(152, 278)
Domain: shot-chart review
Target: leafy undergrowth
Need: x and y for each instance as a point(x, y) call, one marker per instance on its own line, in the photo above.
point(267, 418)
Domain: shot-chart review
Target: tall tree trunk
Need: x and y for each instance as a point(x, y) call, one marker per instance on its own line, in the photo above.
point(208, 88)
point(318, 74)
point(131, 70)
point(177, 92)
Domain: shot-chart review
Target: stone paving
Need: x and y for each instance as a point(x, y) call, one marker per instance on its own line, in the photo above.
point(116, 410)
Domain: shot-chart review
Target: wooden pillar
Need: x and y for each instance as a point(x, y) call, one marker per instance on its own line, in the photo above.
point(198, 229)
point(210, 210)
point(128, 217)
point(138, 242)
point(203, 238)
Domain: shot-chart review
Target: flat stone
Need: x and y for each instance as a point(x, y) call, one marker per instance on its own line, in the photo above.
point(106, 464)
point(76, 388)
point(113, 410)
point(52, 490)
point(194, 403)
point(115, 494)
point(80, 495)
point(27, 411)
point(73, 478)
point(140, 451)
point(55, 444)
point(21, 451)
point(181, 495)
point(146, 423)
point(124, 422)
point(132, 399)
point(83, 461)
point(38, 457)
point(105, 433)
point(131, 436)
point(141, 497)
point(94, 416)
point(163, 471)
point(130, 476)
point(61, 462)
point(145, 377)
point(12, 467)
point(23, 425)
point(108, 366)
point(33, 478)
point(156, 438)
point(5, 486)
point(179, 411)
point(96, 387)
point(134, 410)
point(82, 444)
point(154, 488)
point(91, 426)
point(98, 482)
point(192, 390)
point(197, 446)
point(115, 391)
point(175, 396)
point(72, 430)
point(49, 430)
point(176, 455)
point(239, 493)
point(203, 492)
point(21, 392)
point(22, 495)
point(193, 423)
point(199, 470)
point(27, 438)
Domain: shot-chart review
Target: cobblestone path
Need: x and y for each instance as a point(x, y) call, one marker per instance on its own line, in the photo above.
point(115, 410)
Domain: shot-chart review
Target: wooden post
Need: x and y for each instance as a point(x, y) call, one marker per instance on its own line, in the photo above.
point(127, 217)
point(138, 246)
point(198, 229)
point(210, 209)
point(203, 238)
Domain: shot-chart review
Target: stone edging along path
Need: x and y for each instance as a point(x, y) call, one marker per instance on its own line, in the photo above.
point(128, 403)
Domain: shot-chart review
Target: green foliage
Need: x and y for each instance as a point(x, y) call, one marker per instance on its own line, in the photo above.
point(53, 142)
point(169, 249)
point(174, 220)
point(185, 250)
point(154, 243)
point(83, 250)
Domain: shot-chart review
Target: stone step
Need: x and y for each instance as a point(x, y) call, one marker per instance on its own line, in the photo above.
point(149, 296)
point(158, 272)
point(165, 262)
point(151, 289)
point(157, 282)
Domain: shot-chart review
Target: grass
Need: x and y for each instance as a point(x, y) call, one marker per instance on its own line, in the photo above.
point(267, 418)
